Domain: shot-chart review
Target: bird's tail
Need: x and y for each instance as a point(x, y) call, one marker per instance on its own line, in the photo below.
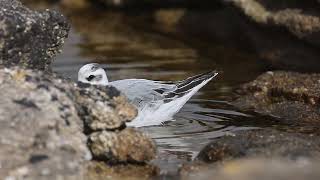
point(194, 81)
point(185, 90)
point(192, 84)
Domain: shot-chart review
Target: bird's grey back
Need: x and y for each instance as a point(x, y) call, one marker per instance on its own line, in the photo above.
point(141, 91)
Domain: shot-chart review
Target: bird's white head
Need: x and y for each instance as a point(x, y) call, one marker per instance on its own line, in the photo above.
point(92, 73)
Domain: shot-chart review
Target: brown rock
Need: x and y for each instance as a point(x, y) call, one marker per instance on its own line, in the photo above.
point(104, 108)
point(100, 170)
point(293, 97)
point(128, 145)
point(256, 168)
point(263, 143)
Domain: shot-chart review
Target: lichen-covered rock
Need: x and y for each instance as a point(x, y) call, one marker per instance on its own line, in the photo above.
point(104, 108)
point(293, 97)
point(40, 130)
point(29, 38)
point(262, 143)
point(128, 145)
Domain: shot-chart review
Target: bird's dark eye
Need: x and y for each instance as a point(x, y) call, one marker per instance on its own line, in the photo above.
point(90, 77)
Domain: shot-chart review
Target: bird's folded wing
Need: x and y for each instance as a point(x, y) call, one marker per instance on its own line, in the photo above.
point(141, 92)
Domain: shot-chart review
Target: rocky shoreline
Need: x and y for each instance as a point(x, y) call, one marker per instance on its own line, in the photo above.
point(291, 98)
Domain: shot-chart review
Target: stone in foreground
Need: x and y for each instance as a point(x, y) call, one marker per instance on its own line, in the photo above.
point(264, 143)
point(128, 145)
point(255, 168)
point(40, 130)
point(42, 125)
point(100, 170)
point(104, 108)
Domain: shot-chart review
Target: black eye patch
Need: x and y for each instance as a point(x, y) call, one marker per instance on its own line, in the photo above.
point(96, 78)
point(90, 77)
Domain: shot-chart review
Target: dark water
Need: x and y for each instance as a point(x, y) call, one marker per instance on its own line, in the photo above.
point(139, 53)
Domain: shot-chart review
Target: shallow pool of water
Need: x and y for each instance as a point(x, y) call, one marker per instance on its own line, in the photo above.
point(127, 52)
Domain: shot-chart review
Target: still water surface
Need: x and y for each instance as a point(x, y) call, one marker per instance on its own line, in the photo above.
point(127, 52)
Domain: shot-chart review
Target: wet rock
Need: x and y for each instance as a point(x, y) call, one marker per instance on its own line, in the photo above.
point(292, 97)
point(100, 170)
point(255, 168)
point(30, 38)
point(261, 143)
point(126, 145)
point(257, 154)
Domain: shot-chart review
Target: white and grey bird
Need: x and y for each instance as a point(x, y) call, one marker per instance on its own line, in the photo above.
point(156, 101)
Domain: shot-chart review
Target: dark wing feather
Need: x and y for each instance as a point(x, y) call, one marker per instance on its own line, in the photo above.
point(185, 86)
